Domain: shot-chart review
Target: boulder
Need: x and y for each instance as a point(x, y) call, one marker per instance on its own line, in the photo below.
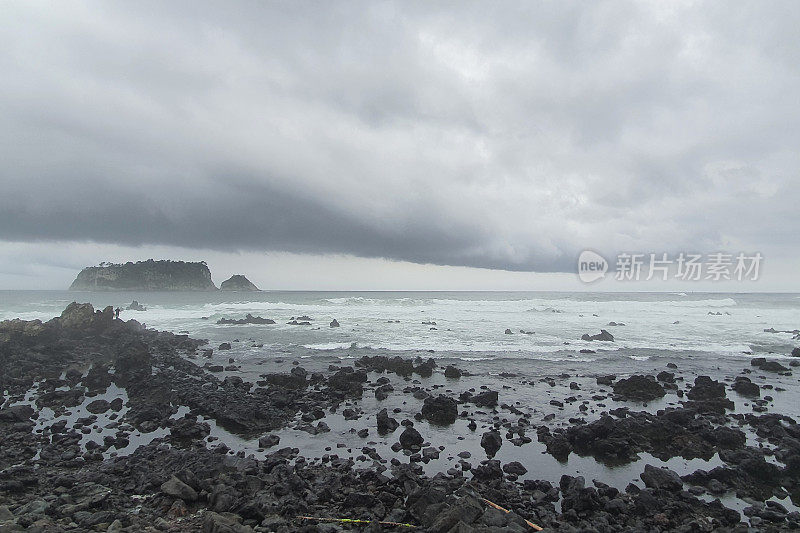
point(133, 361)
point(639, 387)
point(661, 479)
point(514, 468)
point(334, 323)
point(386, 424)
point(706, 389)
point(666, 377)
point(452, 372)
point(16, 413)
point(348, 381)
point(77, 316)
point(178, 489)
point(440, 410)
point(410, 438)
point(485, 399)
point(491, 441)
point(773, 366)
point(268, 441)
point(745, 387)
point(606, 380)
point(98, 406)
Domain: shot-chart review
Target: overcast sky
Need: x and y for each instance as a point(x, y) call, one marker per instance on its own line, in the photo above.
point(396, 144)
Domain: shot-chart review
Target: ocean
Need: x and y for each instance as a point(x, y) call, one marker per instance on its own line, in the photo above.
point(466, 326)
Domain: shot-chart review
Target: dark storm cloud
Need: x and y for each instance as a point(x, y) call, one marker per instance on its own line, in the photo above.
point(507, 137)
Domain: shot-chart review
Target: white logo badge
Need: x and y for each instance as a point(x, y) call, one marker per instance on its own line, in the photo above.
point(591, 266)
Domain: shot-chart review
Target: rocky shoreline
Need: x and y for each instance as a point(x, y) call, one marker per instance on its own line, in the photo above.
point(108, 426)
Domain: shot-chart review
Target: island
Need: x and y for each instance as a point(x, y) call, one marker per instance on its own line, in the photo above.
point(238, 282)
point(150, 275)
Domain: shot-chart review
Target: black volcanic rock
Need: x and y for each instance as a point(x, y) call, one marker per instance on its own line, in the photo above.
point(491, 441)
point(485, 399)
point(135, 306)
point(745, 387)
point(452, 372)
point(237, 282)
point(602, 336)
point(638, 387)
point(410, 438)
point(248, 319)
point(386, 424)
point(147, 275)
point(440, 410)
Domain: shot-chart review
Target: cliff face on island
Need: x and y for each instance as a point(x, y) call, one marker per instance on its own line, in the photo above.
point(237, 282)
point(147, 275)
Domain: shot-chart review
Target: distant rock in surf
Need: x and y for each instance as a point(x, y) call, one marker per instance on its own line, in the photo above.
point(602, 336)
point(237, 282)
point(248, 319)
point(135, 306)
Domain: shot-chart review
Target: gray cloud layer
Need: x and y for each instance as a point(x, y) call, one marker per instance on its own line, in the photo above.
point(506, 136)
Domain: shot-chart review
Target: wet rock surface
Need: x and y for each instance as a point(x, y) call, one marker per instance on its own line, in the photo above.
point(107, 426)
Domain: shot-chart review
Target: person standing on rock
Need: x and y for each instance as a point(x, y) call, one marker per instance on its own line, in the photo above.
point(116, 312)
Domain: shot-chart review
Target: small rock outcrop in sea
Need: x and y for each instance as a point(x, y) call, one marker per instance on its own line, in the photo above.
point(452, 372)
point(248, 319)
point(334, 323)
point(237, 282)
point(136, 306)
point(147, 275)
point(602, 336)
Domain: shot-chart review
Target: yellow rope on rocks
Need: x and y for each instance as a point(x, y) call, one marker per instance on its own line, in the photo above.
point(353, 521)
point(492, 504)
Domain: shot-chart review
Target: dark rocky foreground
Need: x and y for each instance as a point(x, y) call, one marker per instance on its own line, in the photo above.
point(155, 463)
